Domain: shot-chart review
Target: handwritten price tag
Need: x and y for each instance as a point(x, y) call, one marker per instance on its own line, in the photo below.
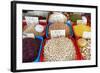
point(87, 35)
point(31, 20)
point(57, 33)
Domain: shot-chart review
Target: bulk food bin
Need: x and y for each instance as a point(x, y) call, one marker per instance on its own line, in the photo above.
point(80, 37)
point(78, 54)
point(40, 49)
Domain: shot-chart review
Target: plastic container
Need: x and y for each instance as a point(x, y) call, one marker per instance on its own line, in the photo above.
point(38, 57)
point(70, 26)
point(78, 54)
point(42, 51)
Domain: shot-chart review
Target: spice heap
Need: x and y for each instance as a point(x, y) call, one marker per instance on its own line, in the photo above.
point(59, 49)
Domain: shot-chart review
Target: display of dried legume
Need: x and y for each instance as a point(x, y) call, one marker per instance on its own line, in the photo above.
point(66, 36)
point(59, 49)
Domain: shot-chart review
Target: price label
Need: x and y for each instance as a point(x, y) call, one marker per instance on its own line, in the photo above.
point(28, 35)
point(87, 35)
point(31, 20)
point(81, 22)
point(57, 33)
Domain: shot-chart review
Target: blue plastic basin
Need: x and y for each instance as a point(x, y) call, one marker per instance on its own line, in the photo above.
point(38, 57)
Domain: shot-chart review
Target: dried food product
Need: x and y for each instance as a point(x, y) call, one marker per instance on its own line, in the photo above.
point(30, 49)
point(82, 42)
point(75, 17)
point(57, 17)
point(59, 49)
point(86, 50)
point(80, 29)
point(37, 13)
point(29, 29)
point(36, 29)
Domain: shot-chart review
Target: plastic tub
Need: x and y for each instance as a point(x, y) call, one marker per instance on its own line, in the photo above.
point(38, 57)
point(78, 54)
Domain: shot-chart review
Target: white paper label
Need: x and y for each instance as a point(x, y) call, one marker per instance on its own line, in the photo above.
point(84, 19)
point(28, 35)
point(57, 33)
point(81, 22)
point(86, 35)
point(31, 20)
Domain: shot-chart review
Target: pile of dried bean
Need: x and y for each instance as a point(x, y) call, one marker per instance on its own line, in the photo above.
point(59, 49)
